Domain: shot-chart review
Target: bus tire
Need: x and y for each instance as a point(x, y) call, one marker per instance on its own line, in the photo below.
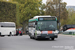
point(36, 38)
point(10, 34)
point(52, 38)
point(31, 36)
point(2, 35)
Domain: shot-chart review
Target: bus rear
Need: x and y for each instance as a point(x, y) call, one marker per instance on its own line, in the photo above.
point(7, 28)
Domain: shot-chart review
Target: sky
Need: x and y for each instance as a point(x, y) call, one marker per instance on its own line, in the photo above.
point(69, 2)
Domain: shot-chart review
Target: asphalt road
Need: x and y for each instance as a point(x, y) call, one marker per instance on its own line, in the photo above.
point(25, 43)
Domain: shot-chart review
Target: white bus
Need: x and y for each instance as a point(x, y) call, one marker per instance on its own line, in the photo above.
point(43, 27)
point(7, 28)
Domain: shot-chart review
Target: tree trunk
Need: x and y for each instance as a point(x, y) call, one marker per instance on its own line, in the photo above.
point(24, 27)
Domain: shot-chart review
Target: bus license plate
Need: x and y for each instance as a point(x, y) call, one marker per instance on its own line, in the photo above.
point(47, 36)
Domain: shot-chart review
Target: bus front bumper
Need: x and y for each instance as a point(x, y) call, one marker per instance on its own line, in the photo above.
point(47, 36)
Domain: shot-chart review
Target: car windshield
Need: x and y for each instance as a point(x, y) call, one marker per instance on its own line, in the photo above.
point(46, 25)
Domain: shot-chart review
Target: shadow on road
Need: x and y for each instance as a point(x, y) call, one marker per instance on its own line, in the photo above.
point(45, 40)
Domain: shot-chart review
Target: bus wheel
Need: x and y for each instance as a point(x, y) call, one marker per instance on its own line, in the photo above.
point(36, 38)
point(31, 36)
point(2, 35)
point(52, 38)
point(10, 34)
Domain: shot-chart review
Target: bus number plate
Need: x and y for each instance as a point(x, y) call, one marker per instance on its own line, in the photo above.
point(47, 36)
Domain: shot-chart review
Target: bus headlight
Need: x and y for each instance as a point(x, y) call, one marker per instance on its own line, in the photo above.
point(38, 32)
point(56, 32)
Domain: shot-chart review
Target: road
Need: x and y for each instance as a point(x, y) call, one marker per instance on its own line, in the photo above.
point(25, 43)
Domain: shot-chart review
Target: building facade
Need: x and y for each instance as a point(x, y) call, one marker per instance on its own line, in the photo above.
point(70, 7)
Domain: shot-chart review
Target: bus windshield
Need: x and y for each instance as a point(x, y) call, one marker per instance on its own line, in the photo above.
point(46, 25)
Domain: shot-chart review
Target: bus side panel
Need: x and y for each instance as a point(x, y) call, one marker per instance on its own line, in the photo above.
point(32, 30)
point(6, 31)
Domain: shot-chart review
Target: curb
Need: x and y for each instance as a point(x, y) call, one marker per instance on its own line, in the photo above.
point(67, 35)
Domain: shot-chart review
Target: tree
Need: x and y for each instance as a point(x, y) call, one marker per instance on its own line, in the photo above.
point(52, 8)
point(42, 9)
point(28, 9)
point(71, 16)
point(6, 0)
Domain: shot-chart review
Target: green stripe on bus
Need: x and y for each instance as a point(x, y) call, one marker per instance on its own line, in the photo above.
point(56, 19)
point(33, 20)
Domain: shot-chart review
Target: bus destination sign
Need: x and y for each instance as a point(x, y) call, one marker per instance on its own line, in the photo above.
point(46, 18)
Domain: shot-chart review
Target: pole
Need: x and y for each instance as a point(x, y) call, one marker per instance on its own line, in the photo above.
point(59, 16)
point(56, 8)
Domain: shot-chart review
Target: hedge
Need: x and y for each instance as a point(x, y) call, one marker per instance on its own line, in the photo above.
point(9, 12)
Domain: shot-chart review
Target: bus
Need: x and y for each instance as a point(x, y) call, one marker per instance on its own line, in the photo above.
point(66, 27)
point(7, 28)
point(43, 27)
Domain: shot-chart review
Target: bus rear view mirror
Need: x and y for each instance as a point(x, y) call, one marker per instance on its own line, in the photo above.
point(57, 21)
point(27, 31)
point(35, 23)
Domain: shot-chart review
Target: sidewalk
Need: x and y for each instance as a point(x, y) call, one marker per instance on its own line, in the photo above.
point(67, 35)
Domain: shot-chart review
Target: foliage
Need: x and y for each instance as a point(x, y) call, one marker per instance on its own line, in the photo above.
point(9, 12)
point(71, 16)
point(28, 9)
point(52, 8)
point(42, 9)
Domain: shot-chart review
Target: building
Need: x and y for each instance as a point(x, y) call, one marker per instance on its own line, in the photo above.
point(68, 7)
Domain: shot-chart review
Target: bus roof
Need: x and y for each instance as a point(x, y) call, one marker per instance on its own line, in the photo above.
point(7, 22)
point(41, 16)
point(35, 18)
